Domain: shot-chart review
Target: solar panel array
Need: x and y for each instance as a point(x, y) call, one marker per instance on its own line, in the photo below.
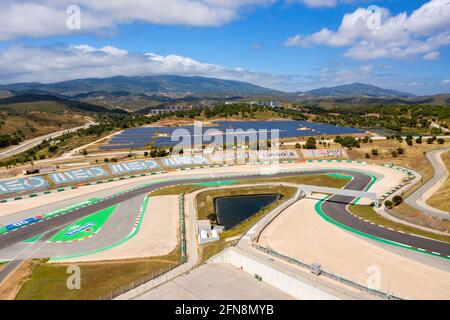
point(161, 136)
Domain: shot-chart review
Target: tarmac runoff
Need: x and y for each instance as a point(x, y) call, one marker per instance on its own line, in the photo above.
point(87, 245)
point(158, 234)
point(118, 227)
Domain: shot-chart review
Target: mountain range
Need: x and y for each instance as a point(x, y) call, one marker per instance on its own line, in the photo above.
point(185, 86)
point(139, 92)
point(357, 89)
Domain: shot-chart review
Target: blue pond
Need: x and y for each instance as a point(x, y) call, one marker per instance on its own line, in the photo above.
point(161, 136)
point(231, 211)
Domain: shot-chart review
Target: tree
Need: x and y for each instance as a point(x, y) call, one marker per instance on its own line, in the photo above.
point(397, 200)
point(53, 148)
point(419, 140)
point(153, 153)
point(311, 143)
point(297, 145)
point(430, 140)
point(409, 142)
point(145, 153)
point(162, 153)
point(400, 151)
point(388, 204)
point(84, 152)
point(367, 156)
point(212, 217)
point(394, 153)
point(440, 141)
point(374, 152)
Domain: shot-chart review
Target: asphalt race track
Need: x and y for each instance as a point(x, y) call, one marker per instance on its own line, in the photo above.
point(120, 223)
point(336, 208)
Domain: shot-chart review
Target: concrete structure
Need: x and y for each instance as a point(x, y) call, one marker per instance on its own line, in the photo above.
point(342, 192)
point(207, 233)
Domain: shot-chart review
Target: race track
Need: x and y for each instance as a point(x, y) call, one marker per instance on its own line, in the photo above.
point(120, 223)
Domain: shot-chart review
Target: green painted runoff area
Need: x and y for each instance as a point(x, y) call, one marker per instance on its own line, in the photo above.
point(58, 212)
point(216, 183)
point(339, 176)
point(131, 235)
point(84, 227)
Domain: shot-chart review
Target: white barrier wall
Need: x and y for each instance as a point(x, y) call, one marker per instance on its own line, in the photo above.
point(288, 284)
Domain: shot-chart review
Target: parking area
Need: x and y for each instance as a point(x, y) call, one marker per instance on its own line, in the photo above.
point(215, 281)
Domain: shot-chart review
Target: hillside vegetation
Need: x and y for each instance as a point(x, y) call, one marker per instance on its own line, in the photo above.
point(31, 115)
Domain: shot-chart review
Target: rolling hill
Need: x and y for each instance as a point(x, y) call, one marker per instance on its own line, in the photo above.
point(357, 89)
point(149, 85)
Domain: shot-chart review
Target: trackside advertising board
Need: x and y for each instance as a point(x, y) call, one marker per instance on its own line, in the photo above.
point(324, 153)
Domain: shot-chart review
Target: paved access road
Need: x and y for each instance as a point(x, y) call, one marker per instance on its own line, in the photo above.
point(31, 143)
point(417, 198)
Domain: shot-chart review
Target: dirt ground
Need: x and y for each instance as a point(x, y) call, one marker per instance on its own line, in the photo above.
point(301, 233)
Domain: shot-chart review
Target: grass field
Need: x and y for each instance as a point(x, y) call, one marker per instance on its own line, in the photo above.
point(367, 213)
point(412, 215)
point(441, 198)
point(313, 179)
point(98, 279)
point(175, 190)
point(36, 119)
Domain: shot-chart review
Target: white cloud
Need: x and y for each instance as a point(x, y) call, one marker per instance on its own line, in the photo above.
point(372, 34)
point(319, 3)
point(323, 3)
point(66, 62)
point(431, 56)
point(57, 63)
point(48, 17)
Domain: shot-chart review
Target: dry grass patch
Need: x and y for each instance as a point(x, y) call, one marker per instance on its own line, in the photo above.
point(12, 284)
point(175, 190)
point(412, 215)
point(367, 213)
point(98, 279)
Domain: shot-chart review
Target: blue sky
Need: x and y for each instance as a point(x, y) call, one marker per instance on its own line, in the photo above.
point(291, 45)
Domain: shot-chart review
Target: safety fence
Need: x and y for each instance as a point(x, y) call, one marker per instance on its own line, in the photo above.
point(183, 229)
point(33, 195)
point(161, 275)
point(327, 274)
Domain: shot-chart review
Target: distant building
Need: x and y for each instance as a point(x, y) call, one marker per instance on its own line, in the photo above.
point(169, 109)
point(270, 104)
